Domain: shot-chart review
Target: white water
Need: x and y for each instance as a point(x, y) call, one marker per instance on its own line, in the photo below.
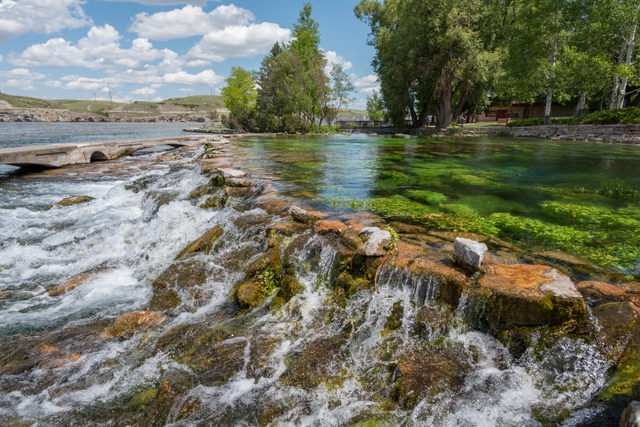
point(127, 241)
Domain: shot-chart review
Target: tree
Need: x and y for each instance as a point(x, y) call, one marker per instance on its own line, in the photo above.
point(240, 90)
point(338, 96)
point(375, 107)
point(432, 53)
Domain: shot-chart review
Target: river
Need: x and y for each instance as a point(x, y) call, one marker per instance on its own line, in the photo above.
point(315, 360)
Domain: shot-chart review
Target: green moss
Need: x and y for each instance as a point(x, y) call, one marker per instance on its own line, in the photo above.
point(352, 285)
point(539, 231)
point(467, 224)
point(141, 401)
point(459, 209)
point(487, 204)
point(214, 202)
point(430, 197)
point(216, 181)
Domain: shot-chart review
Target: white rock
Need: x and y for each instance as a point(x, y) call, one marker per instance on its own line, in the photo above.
point(377, 240)
point(561, 286)
point(468, 253)
point(232, 173)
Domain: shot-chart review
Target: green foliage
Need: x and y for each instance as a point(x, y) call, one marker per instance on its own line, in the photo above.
point(525, 122)
point(617, 189)
point(528, 229)
point(430, 197)
point(375, 107)
point(239, 95)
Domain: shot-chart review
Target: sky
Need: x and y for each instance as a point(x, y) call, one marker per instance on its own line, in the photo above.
point(157, 49)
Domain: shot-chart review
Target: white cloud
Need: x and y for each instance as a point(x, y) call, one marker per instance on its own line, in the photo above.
point(367, 81)
point(168, 2)
point(100, 49)
point(22, 84)
point(370, 90)
point(39, 16)
point(22, 73)
point(145, 91)
point(1, 58)
point(234, 42)
point(206, 77)
point(189, 21)
point(198, 63)
point(333, 58)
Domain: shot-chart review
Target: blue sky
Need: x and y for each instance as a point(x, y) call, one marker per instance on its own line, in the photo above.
point(152, 49)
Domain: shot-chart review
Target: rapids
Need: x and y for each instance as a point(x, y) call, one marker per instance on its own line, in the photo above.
point(312, 361)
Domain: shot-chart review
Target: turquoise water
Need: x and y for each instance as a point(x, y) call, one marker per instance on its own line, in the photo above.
point(572, 196)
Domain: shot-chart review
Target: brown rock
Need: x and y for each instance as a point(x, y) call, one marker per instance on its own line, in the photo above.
point(71, 284)
point(5, 295)
point(179, 276)
point(304, 216)
point(598, 292)
point(238, 191)
point(129, 324)
point(203, 244)
point(238, 182)
point(289, 228)
point(528, 295)
point(329, 226)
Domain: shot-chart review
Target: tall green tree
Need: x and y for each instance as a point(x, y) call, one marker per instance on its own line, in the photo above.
point(433, 53)
point(240, 90)
point(375, 107)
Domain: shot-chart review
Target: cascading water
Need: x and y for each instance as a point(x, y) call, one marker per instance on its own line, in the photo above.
point(314, 360)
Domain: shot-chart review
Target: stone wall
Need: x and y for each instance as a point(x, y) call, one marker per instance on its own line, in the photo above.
point(601, 133)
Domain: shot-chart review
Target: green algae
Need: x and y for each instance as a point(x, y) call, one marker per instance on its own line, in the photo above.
point(430, 197)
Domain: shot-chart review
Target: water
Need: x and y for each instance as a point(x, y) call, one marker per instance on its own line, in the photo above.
point(24, 134)
point(315, 360)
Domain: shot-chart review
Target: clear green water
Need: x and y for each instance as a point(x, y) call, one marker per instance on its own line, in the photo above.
point(577, 197)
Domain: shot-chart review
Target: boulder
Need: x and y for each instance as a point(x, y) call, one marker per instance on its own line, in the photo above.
point(70, 284)
point(468, 254)
point(329, 226)
point(509, 296)
point(596, 293)
point(238, 182)
point(203, 244)
point(304, 216)
point(376, 241)
point(70, 201)
point(631, 415)
point(231, 173)
point(128, 324)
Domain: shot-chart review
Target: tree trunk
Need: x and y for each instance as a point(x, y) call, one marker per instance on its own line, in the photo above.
point(422, 117)
point(414, 116)
point(631, 43)
point(443, 106)
point(554, 52)
point(581, 103)
point(613, 102)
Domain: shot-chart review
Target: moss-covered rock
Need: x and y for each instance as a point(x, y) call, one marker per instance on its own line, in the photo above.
point(262, 277)
point(329, 226)
point(394, 321)
point(141, 401)
point(215, 202)
point(179, 276)
point(526, 295)
point(70, 201)
point(202, 244)
point(433, 319)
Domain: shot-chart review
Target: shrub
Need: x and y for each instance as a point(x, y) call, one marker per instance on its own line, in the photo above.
point(525, 122)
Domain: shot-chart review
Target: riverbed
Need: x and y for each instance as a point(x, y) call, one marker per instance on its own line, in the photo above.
point(315, 359)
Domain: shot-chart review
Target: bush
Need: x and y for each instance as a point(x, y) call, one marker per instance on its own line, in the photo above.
point(525, 122)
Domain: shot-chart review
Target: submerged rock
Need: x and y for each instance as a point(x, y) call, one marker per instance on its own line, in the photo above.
point(70, 284)
point(128, 324)
point(376, 241)
point(231, 173)
point(70, 201)
point(178, 277)
point(203, 243)
point(329, 226)
point(468, 254)
point(527, 295)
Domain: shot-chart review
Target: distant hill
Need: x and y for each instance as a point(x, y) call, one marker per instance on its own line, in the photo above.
point(200, 104)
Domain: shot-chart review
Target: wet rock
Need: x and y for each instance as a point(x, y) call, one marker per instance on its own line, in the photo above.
point(527, 295)
point(433, 319)
point(304, 216)
point(238, 182)
point(169, 392)
point(351, 239)
point(329, 226)
point(596, 293)
point(288, 228)
point(70, 284)
point(376, 241)
point(433, 267)
point(424, 373)
point(214, 365)
point(129, 324)
point(231, 173)
point(5, 295)
point(631, 415)
point(253, 223)
point(575, 264)
point(70, 201)
point(214, 202)
point(468, 254)
point(272, 204)
point(237, 192)
point(261, 279)
point(394, 321)
point(202, 244)
point(177, 278)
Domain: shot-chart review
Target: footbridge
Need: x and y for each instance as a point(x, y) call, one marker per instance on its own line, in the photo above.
point(57, 155)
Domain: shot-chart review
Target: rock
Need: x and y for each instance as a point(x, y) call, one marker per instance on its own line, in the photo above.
point(179, 276)
point(631, 415)
point(596, 293)
point(70, 284)
point(527, 295)
point(231, 173)
point(4, 295)
point(237, 192)
point(301, 215)
point(468, 254)
point(202, 244)
point(70, 201)
point(329, 226)
point(376, 241)
point(238, 182)
point(288, 228)
point(351, 239)
point(128, 324)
